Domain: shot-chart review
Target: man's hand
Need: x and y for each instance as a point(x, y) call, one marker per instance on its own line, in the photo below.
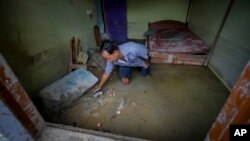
point(97, 93)
point(99, 86)
point(96, 88)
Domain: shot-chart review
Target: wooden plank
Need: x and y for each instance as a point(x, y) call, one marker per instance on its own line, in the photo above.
point(174, 58)
point(15, 96)
point(235, 110)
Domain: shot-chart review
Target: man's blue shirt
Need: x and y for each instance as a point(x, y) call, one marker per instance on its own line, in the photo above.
point(135, 55)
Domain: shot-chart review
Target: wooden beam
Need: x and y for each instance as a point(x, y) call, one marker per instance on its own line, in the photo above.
point(235, 110)
point(15, 97)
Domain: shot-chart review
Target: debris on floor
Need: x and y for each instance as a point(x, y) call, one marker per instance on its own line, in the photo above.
point(100, 101)
point(73, 124)
point(121, 106)
point(99, 124)
point(134, 104)
point(113, 117)
point(110, 92)
point(92, 107)
point(148, 105)
point(95, 113)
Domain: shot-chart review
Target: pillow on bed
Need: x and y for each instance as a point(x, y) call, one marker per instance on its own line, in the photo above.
point(150, 32)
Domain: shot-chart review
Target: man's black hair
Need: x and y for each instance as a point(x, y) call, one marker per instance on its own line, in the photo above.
point(109, 46)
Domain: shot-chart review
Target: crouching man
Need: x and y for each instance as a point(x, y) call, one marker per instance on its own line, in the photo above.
point(126, 56)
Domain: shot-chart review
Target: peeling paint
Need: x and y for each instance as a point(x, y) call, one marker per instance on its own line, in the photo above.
point(235, 110)
point(6, 76)
point(225, 115)
point(245, 88)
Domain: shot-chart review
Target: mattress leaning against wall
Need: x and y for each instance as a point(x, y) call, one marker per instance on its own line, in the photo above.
point(63, 92)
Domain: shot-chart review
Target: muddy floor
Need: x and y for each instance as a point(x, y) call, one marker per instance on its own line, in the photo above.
point(176, 103)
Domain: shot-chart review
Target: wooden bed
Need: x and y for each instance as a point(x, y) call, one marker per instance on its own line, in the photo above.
point(173, 43)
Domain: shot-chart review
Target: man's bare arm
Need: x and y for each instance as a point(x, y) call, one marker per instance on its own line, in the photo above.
point(103, 80)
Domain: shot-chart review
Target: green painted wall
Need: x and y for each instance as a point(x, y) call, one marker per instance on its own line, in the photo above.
point(232, 51)
point(35, 37)
point(206, 17)
point(141, 12)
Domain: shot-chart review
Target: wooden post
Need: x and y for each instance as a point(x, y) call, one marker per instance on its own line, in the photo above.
point(235, 110)
point(98, 38)
point(14, 95)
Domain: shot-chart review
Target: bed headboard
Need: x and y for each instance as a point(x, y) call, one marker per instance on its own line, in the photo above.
point(165, 24)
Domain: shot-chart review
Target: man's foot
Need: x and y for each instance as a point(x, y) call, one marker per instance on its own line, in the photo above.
point(125, 81)
point(148, 76)
point(145, 72)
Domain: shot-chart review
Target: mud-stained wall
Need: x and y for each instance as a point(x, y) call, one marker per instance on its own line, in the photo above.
point(35, 37)
point(232, 50)
point(140, 12)
point(205, 18)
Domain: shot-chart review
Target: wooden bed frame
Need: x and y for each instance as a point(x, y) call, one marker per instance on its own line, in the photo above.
point(174, 58)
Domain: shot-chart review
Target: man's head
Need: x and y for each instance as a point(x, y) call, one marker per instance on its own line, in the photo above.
point(110, 51)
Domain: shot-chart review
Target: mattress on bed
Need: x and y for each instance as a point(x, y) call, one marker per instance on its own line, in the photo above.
point(176, 40)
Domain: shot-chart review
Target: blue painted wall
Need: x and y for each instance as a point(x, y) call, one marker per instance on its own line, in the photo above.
point(10, 127)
